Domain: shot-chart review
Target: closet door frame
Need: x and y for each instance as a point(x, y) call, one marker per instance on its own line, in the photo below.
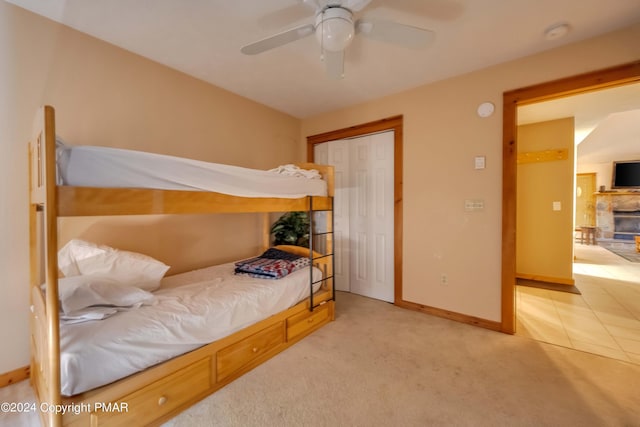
point(395, 124)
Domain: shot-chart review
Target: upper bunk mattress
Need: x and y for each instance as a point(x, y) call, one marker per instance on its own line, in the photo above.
point(190, 310)
point(90, 166)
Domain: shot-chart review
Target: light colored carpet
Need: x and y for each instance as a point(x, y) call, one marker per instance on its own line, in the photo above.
point(379, 365)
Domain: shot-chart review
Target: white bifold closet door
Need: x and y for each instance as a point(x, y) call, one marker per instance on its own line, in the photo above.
point(363, 213)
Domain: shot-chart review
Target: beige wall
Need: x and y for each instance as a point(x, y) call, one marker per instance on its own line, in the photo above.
point(544, 238)
point(442, 135)
point(602, 171)
point(104, 95)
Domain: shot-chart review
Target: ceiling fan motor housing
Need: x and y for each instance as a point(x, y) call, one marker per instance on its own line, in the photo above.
point(334, 28)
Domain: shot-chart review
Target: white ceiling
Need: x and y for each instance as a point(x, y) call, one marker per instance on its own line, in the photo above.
point(203, 38)
point(617, 137)
point(607, 122)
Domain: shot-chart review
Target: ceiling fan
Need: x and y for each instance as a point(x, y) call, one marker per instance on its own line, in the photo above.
point(335, 29)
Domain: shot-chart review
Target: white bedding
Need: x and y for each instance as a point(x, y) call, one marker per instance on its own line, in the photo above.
point(90, 166)
point(191, 309)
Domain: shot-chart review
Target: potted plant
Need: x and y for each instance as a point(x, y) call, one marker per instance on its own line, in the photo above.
point(292, 228)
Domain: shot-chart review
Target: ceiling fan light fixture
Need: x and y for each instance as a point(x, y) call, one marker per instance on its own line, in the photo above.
point(334, 29)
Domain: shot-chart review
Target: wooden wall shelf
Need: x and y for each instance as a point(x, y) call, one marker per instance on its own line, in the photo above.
point(543, 156)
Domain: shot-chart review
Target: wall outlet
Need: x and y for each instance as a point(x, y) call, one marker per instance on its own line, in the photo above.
point(444, 279)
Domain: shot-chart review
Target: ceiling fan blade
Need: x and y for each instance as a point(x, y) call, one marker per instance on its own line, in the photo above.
point(393, 32)
point(334, 62)
point(278, 40)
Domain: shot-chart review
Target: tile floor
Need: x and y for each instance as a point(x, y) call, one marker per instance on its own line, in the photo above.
point(604, 320)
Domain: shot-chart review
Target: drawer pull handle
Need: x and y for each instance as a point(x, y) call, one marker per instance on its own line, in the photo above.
point(254, 349)
point(310, 320)
point(162, 400)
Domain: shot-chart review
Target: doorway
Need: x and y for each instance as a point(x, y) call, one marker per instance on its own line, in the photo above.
point(588, 315)
point(585, 201)
point(611, 77)
point(363, 212)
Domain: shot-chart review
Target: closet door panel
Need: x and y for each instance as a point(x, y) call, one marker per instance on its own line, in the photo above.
point(371, 221)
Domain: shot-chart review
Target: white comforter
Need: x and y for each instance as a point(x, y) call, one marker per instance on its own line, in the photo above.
point(89, 166)
point(191, 309)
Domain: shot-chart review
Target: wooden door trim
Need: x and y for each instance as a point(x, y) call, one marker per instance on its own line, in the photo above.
point(395, 124)
point(609, 77)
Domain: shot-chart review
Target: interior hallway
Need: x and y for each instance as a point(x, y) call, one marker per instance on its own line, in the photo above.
point(604, 320)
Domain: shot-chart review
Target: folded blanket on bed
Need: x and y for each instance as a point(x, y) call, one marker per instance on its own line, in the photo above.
point(272, 264)
point(293, 170)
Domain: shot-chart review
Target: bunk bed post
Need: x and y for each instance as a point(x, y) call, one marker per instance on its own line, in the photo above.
point(45, 322)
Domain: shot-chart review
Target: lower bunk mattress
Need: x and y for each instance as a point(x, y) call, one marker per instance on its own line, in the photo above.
point(190, 310)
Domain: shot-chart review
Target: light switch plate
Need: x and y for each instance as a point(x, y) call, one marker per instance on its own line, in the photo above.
point(480, 162)
point(557, 206)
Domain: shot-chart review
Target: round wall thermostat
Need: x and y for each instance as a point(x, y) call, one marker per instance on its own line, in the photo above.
point(485, 109)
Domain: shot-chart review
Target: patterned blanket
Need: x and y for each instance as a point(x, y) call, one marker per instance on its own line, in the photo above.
point(272, 264)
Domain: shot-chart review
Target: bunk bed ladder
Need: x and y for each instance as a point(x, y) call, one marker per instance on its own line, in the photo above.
point(310, 215)
point(312, 234)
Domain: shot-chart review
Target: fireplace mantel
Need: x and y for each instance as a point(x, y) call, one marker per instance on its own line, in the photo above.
point(618, 214)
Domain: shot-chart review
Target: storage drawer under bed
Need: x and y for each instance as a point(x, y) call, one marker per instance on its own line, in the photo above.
point(241, 356)
point(302, 323)
point(159, 398)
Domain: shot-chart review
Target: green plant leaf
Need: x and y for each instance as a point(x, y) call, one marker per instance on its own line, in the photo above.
point(291, 228)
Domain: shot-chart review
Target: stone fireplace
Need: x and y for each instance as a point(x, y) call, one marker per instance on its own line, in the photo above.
point(618, 215)
point(626, 224)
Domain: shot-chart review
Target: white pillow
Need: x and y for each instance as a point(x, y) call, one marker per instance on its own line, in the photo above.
point(79, 257)
point(62, 161)
point(79, 292)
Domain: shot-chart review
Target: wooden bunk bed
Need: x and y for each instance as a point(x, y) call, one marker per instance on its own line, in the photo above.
point(160, 392)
